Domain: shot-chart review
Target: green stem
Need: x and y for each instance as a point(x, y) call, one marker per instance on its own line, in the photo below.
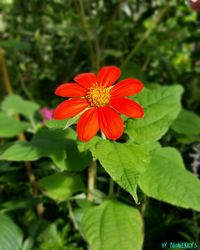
point(111, 182)
point(145, 35)
point(23, 86)
point(80, 9)
point(109, 25)
point(71, 215)
point(111, 187)
point(31, 176)
point(91, 179)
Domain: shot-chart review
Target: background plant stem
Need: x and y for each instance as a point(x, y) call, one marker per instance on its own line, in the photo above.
point(29, 170)
point(145, 35)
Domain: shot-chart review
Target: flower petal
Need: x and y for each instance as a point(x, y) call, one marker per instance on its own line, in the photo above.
point(70, 90)
point(88, 125)
point(127, 107)
point(110, 123)
point(108, 75)
point(86, 80)
point(70, 108)
point(127, 87)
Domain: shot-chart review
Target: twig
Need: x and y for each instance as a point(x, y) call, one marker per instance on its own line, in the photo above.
point(31, 176)
point(109, 25)
point(71, 215)
point(145, 35)
point(80, 9)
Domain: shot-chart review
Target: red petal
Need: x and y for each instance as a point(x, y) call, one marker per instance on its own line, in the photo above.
point(88, 125)
point(86, 80)
point(108, 75)
point(126, 87)
point(127, 107)
point(110, 123)
point(70, 108)
point(70, 90)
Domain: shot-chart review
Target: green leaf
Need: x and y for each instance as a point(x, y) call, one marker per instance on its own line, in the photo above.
point(124, 162)
point(162, 106)
point(83, 146)
point(113, 225)
point(63, 123)
point(10, 127)
point(57, 144)
point(167, 179)
point(14, 104)
point(187, 123)
point(60, 187)
point(56, 123)
point(10, 234)
point(46, 143)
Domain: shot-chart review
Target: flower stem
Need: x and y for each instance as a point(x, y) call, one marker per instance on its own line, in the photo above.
point(29, 170)
point(91, 179)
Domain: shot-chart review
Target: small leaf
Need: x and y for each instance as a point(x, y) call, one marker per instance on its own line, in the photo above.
point(55, 123)
point(10, 127)
point(113, 225)
point(60, 187)
point(124, 162)
point(167, 179)
point(14, 104)
point(10, 234)
point(63, 123)
point(187, 123)
point(162, 106)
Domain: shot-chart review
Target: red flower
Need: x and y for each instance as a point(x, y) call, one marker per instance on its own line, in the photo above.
point(100, 102)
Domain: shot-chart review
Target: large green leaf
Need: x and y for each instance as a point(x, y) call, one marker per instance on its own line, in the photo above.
point(10, 127)
point(167, 179)
point(60, 187)
point(187, 123)
point(59, 145)
point(45, 143)
point(162, 106)
point(124, 162)
point(113, 226)
point(14, 104)
point(10, 234)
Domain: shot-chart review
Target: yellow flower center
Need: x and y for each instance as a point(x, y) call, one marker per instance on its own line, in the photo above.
point(98, 96)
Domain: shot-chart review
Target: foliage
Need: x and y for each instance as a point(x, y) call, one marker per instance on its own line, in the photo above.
point(146, 190)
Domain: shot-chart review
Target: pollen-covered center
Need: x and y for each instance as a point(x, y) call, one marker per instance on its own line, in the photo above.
point(98, 96)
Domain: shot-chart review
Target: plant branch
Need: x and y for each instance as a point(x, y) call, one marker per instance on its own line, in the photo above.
point(80, 9)
point(29, 170)
point(71, 215)
point(145, 35)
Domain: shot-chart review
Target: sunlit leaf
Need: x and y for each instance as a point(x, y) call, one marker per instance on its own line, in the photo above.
point(14, 104)
point(167, 179)
point(187, 123)
point(162, 106)
point(113, 225)
point(124, 162)
point(10, 127)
